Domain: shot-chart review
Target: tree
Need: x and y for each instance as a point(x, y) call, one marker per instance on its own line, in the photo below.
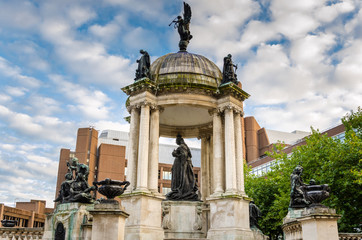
point(328, 161)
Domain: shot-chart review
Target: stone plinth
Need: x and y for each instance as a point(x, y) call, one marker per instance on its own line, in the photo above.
point(229, 218)
point(144, 223)
point(71, 216)
point(183, 220)
point(311, 224)
point(108, 221)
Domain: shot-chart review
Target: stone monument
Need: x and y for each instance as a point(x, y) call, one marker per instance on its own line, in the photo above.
point(74, 203)
point(307, 218)
point(182, 210)
point(184, 95)
point(78, 216)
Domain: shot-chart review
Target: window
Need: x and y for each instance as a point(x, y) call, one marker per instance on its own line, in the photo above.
point(166, 190)
point(166, 175)
point(262, 169)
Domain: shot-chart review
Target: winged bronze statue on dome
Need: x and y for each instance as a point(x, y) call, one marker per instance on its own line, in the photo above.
point(183, 27)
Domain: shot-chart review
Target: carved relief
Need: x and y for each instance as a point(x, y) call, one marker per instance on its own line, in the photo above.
point(198, 219)
point(166, 217)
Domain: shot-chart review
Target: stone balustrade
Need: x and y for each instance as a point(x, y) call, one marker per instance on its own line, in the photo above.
point(350, 236)
point(21, 233)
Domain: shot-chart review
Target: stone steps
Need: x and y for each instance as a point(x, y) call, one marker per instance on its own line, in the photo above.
point(185, 239)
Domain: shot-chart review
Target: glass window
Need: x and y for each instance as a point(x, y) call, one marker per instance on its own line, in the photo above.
point(166, 190)
point(166, 175)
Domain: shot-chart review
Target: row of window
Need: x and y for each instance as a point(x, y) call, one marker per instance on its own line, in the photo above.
point(262, 169)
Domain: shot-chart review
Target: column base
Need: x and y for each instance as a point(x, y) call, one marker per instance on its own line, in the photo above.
point(183, 220)
point(315, 223)
point(229, 218)
point(230, 234)
point(145, 221)
point(108, 221)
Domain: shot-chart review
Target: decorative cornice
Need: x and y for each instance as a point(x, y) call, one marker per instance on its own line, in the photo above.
point(233, 90)
point(141, 85)
point(156, 107)
point(138, 105)
point(230, 106)
point(215, 110)
point(292, 227)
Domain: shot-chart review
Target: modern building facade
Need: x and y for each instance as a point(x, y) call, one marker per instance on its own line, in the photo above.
point(263, 163)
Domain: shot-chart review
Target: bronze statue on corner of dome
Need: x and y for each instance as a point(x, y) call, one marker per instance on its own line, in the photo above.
point(144, 65)
point(228, 74)
point(183, 27)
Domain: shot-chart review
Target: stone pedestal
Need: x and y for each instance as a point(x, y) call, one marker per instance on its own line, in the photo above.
point(229, 218)
point(108, 221)
point(311, 224)
point(71, 216)
point(144, 223)
point(182, 220)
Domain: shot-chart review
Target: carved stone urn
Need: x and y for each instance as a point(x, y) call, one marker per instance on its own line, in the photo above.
point(316, 193)
point(8, 223)
point(111, 188)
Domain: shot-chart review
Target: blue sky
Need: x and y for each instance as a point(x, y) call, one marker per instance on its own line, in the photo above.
point(62, 64)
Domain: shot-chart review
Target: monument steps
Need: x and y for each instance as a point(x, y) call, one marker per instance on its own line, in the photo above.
point(185, 239)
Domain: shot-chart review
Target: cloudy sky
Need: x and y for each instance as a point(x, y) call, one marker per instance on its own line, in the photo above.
point(63, 62)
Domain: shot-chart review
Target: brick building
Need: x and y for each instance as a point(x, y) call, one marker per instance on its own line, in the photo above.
point(27, 214)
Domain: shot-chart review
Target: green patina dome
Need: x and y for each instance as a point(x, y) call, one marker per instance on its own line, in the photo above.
point(183, 68)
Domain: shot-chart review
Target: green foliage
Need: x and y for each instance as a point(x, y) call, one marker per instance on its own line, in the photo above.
point(354, 121)
point(326, 160)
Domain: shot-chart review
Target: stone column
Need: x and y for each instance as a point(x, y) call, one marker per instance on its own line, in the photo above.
point(144, 136)
point(204, 168)
point(218, 173)
point(211, 165)
point(239, 154)
point(154, 148)
point(230, 171)
point(132, 149)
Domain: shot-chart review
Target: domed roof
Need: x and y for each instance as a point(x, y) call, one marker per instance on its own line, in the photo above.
point(185, 68)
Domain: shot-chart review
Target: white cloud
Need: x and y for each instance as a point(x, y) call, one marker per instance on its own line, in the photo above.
point(18, 14)
point(348, 71)
point(106, 125)
point(91, 103)
point(80, 15)
point(14, 72)
point(106, 32)
point(8, 147)
point(41, 105)
point(41, 127)
point(15, 91)
point(4, 98)
point(89, 60)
